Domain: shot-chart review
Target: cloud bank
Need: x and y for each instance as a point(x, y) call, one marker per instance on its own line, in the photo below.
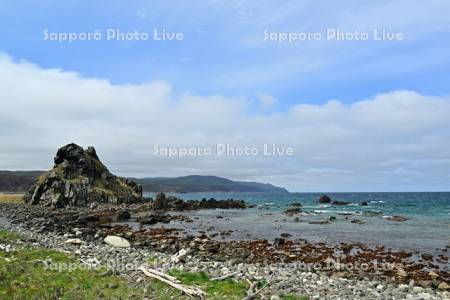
point(398, 140)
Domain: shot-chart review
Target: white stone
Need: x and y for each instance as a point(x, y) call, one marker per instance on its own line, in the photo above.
point(117, 241)
point(73, 241)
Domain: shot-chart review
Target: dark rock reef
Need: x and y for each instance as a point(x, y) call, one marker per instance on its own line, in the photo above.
point(79, 179)
point(161, 202)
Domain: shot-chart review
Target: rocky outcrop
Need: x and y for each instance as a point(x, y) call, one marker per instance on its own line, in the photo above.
point(79, 179)
point(324, 199)
point(161, 202)
point(335, 202)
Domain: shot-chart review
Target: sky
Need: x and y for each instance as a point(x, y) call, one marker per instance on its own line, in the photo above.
point(358, 114)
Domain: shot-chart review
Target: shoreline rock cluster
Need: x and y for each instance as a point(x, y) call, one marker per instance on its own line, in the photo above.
point(90, 227)
point(171, 203)
point(278, 263)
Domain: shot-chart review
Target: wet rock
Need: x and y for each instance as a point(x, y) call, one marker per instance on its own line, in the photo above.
point(364, 203)
point(324, 199)
point(154, 218)
point(320, 222)
point(357, 221)
point(86, 218)
point(175, 204)
point(123, 215)
point(372, 213)
point(396, 218)
point(426, 256)
point(335, 202)
point(285, 235)
point(292, 211)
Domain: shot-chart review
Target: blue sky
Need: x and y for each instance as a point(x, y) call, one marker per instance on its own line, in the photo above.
point(361, 115)
point(224, 49)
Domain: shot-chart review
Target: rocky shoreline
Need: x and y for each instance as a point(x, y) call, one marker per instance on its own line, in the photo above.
point(320, 271)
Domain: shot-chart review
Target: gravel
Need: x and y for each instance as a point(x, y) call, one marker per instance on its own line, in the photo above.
point(282, 278)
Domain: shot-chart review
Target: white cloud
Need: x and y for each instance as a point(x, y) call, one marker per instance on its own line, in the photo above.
point(398, 140)
point(267, 101)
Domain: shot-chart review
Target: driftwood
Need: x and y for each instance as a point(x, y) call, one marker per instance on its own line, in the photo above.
point(190, 291)
point(251, 293)
point(225, 276)
point(180, 256)
point(168, 277)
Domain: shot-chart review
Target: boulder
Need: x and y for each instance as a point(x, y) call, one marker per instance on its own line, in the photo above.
point(426, 256)
point(160, 201)
point(335, 202)
point(364, 203)
point(79, 179)
point(123, 215)
point(117, 241)
point(443, 286)
point(324, 199)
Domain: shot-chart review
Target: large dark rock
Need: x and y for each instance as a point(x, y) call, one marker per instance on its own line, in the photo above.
point(79, 179)
point(324, 199)
point(335, 202)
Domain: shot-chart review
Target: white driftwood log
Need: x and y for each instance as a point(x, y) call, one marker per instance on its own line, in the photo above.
point(168, 277)
point(190, 291)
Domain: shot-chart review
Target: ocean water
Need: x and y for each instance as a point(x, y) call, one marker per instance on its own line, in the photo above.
point(427, 227)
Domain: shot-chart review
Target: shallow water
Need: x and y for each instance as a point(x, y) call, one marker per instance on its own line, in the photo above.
point(427, 227)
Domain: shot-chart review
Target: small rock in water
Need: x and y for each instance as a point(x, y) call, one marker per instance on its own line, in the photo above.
point(427, 256)
point(396, 218)
point(117, 241)
point(324, 199)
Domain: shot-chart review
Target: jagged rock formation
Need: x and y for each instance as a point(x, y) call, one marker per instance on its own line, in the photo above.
point(161, 202)
point(79, 179)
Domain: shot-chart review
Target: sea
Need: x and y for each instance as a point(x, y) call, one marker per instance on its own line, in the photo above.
point(427, 227)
